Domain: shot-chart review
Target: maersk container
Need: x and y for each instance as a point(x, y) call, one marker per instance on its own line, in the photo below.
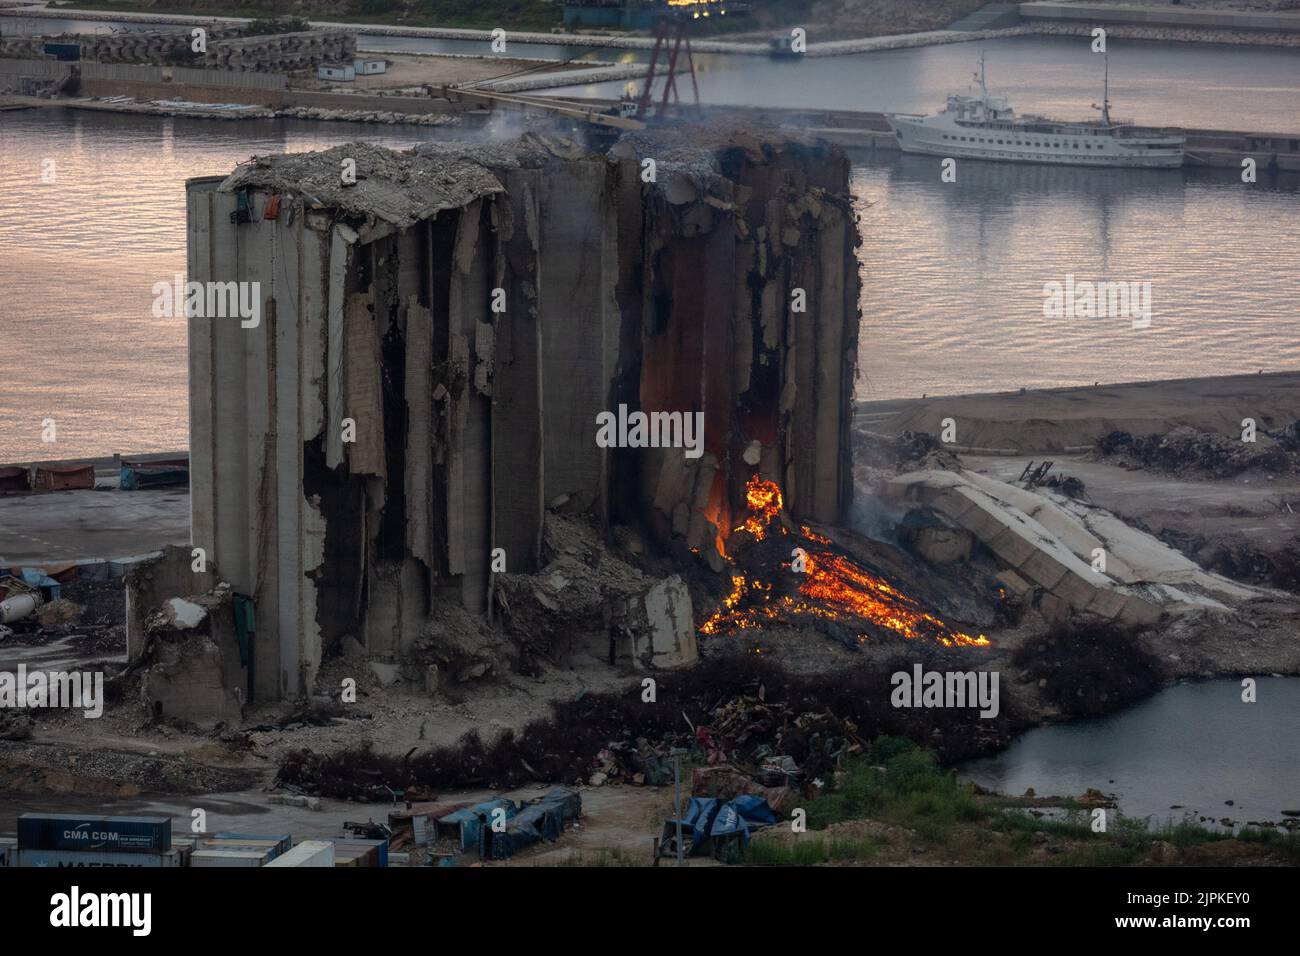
point(94, 858)
point(308, 853)
point(232, 858)
point(73, 831)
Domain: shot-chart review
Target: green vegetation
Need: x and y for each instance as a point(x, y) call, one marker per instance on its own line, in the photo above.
point(606, 856)
point(902, 786)
point(897, 783)
point(813, 851)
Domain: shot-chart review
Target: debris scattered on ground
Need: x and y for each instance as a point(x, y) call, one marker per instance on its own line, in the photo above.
point(31, 767)
point(1040, 475)
point(294, 800)
point(737, 709)
point(58, 613)
point(585, 597)
point(1238, 560)
point(15, 726)
point(1189, 452)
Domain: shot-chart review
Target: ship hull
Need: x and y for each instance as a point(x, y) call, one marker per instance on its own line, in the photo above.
point(1069, 146)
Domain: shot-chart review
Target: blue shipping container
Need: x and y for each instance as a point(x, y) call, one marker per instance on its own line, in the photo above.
point(71, 831)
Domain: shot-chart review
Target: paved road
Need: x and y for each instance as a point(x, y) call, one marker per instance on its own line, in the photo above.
point(72, 525)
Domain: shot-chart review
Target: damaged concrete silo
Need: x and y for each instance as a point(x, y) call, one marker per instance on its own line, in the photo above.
point(436, 342)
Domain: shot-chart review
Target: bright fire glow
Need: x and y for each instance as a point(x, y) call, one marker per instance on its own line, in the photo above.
point(834, 587)
point(765, 504)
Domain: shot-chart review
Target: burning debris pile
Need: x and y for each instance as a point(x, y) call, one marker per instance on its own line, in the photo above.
point(784, 573)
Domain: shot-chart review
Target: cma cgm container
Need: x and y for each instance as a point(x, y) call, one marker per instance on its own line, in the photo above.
point(95, 858)
point(71, 831)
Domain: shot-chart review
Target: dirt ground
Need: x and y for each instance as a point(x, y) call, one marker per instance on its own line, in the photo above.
point(1054, 419)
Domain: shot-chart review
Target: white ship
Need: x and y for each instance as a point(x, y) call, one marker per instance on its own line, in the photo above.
point(983, 126)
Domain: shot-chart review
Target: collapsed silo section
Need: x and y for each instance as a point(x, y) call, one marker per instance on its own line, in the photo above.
point(341, 449)
point(748, 317)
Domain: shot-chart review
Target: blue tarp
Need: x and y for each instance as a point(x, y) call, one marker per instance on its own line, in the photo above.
point(469, 821)
point(544, 819)
point(566, 804)
point(709, 817)
point(37, 578)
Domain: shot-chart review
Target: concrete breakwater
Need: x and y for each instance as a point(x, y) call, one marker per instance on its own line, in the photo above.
point(228, 48)
point(237, 111)
point(1173, 28)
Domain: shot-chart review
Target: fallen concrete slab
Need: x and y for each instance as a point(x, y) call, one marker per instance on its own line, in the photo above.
point(1083, 559)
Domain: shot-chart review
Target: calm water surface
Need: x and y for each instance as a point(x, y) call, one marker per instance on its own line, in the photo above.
point(953, 273)
point(78, 259)
point(1194, 746)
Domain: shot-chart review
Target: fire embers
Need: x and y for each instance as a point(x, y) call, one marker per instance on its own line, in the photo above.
point(833, 590)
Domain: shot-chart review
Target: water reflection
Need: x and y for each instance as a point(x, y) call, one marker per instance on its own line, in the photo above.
point(952, 273)
point(1193, 746)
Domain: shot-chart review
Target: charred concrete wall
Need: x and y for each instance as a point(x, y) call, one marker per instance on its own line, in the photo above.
point(436, 340)
point(748, 312)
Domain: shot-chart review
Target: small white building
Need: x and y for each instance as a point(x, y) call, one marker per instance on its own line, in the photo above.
point(344, 72)
point(366, 66)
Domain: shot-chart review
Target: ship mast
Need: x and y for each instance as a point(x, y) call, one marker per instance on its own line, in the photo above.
point(1105, 95)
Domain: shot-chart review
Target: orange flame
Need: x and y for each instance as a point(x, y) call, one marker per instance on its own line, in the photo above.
point(833, 588)
point(764, 500)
